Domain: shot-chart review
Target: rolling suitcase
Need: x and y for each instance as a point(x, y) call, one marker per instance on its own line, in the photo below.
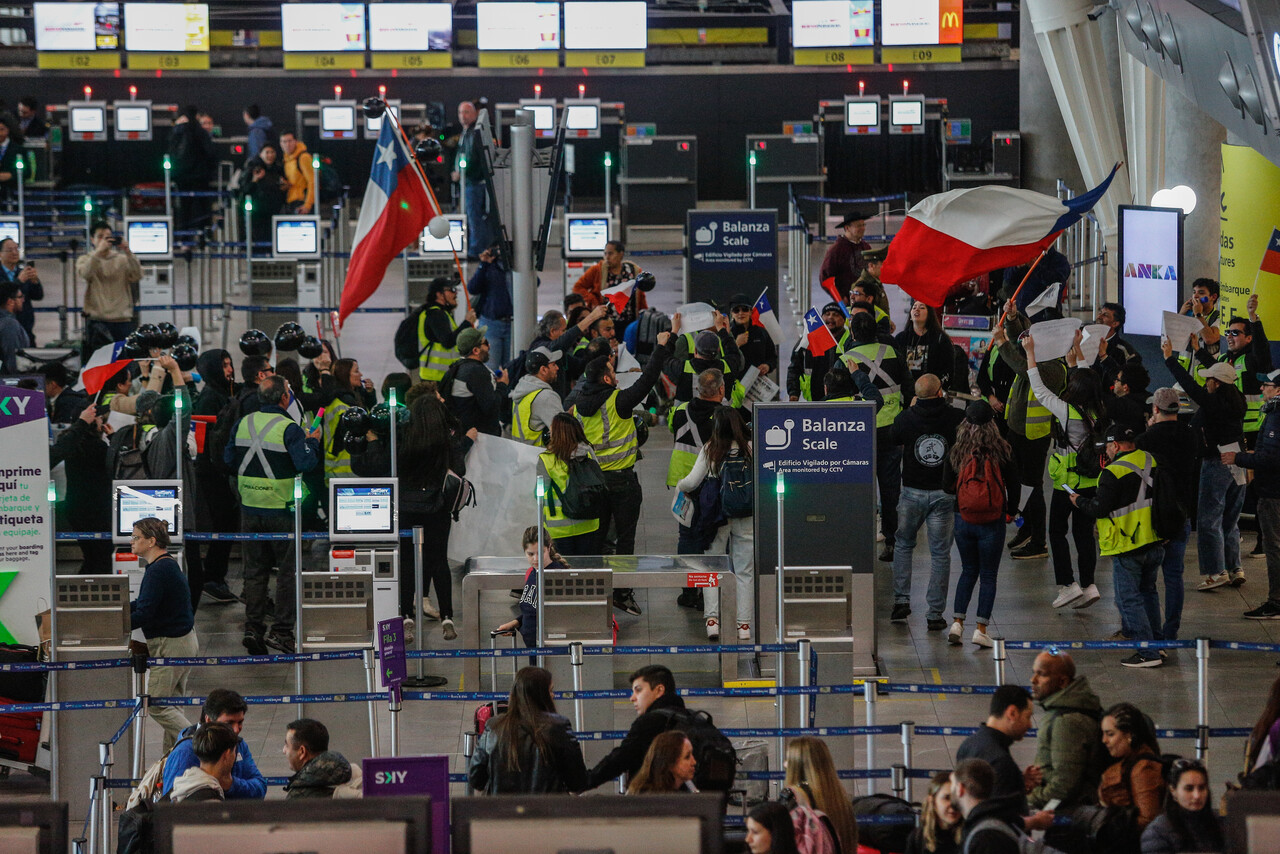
point(19, 734)
point(20, 687)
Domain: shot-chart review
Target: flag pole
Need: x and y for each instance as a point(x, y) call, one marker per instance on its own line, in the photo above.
point(1030, 270)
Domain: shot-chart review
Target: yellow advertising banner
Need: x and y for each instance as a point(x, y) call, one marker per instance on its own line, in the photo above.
point(1250, 212)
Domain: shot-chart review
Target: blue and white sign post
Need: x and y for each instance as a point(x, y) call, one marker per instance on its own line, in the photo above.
point(730, 252)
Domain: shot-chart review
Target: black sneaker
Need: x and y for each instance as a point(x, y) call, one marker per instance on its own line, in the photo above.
point(625, 600)
point(1030, 551)
point(936, 624)
point(1020, 539)
point(1268, 610)
point(253, 643)
point(691, 598)
point(886, 552)
point(283, 643)
point(1143, 658)
point(1257, 550)
point(900, 612)
point(219, 593)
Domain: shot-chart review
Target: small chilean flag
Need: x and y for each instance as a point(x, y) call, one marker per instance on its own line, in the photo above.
point(820, 338)
point(762, 315)
point(952, 237)
point(397, 207)
point(620, 295)
point(1271, 258)
point(104, 364)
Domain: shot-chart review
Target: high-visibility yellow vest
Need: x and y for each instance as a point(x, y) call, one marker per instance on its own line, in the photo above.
point(875, 356)
point(687, 444)
point(1039, 419)
point(264, 478)
point(1062, 464)
point(434, 358)
point(557, 472)
point(1253, 414)
point(612, 436)
point(520, 417)
point(1132, 526)
point(335, 464)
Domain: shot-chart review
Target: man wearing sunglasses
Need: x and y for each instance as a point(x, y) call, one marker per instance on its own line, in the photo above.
point(1264, 460)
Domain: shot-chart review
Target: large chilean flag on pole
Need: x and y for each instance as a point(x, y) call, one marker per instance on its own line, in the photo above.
point(951, 237)
point(397, 207)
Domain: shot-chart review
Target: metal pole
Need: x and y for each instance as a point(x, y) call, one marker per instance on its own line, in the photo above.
point(297, 580)
point(52, 734)
point(908, 730)
point(780, 490)
point(806, 700)
point(1202, 698)
point(369, 665)
point(523, 280)
point(88, 221)
point(95, 794)
point(168, 186)
point(999, 656)
point(179, 433)
point(139, 673)
point(22, 196)
point(751, 180)
point(542, 586)
point(792, 262)
point(468, 748)
point(608, 184)
point(869, 696)
point(898, 779)
point(391, 401)
point(575, 661)
point(248, 251)
point(421, 585)
point(106, 760)
point(393, 706)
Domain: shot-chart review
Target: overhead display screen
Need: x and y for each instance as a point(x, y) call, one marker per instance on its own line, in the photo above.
point(410, 26)
point(914, 22)
point(77, 26)
point(833, 23)
point(167, 27)
point(607, 25)
point(517, 26)
point(322, 27)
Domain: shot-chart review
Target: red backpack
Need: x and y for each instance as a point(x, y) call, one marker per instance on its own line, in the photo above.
point(980, 493)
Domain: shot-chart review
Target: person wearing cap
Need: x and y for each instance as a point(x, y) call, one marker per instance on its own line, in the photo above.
point(1171, 441)
point(843, 263)
point(609, 272)
point(924, 346)
point(606, 415)
point(805, 366)
point(470, 390)
point(438, 331)
point(490, 284)
point(1129, 403)
point(757, 348)
point(1264, 461)
point(889, 373)
point(1218, 423)
point(704, 353)
point(978, 442)
point(1123, 506)
point(534, 401)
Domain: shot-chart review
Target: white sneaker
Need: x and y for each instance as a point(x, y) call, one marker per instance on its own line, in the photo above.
point(713, 629)
point(957, 631)
point(981, 639)
point(1088, 596)
point(1067, 593)
point(429, 611)
point(744, 632)
point(450, 633)
point(408, 630)
point(1212, 582)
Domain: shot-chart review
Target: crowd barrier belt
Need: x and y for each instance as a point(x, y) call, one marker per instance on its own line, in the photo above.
point(899, 197)
point(1129, 644)
point(653, 252)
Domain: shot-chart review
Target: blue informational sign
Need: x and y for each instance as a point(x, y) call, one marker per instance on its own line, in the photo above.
point(391, 652)
point(809, 443)
point(733, 241)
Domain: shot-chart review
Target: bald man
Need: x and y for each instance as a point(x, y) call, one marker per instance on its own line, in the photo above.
point(1069, 760)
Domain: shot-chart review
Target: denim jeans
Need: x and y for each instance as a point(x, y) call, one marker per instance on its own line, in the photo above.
point(1269, 525)
point(889, 481)
point(1135, 586)
point(980, 548)
point(477, 206)
point(498, 334)
point(1172, 569)
point(934, 509)
point(1218, 519)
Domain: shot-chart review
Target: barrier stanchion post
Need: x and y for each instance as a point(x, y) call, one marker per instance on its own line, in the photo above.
point(139, 661)
point(751, 180)
point(542, 586)
point(999, 656)
point(21, 164)
point(369, 665)
point(168, 186)
point(780, 489)
point(1202, 698)
point(393, 706)
point(420, 679)
point(468, 748)
point(297, 581)
point(802, 659)
point(898, 779)
point(869, 695)
point(106, 760)
point(248, 248)
point(608, 184)
point(908, 730)
point(95, 798)
point(575, 661)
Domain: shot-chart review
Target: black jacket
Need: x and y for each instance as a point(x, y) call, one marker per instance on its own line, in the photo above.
point(930, 353)
point(802, 362)
point(1171, 442)
point(926, 431)
point(88, 501)
point(628, 756)
point(1130, 410)
point(319, 777)
point(1264, 459)
point(590, 396)
point(1220, 418)
point(67, 406)
point(759, 349)
point(561, 771)
point(995, 377)
point(473, 396)
point(946, 842)
point(991, 840)
point(992, 746)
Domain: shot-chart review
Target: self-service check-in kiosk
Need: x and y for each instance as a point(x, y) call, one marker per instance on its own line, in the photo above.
point(140, 499)
point(585, 236)
point(150, 238)
point(364, 528)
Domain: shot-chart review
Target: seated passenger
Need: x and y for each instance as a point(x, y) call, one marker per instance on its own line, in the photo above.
point(210, 780)
point(653, 693)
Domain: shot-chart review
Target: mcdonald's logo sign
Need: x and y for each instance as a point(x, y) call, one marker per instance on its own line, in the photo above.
point(950, 21)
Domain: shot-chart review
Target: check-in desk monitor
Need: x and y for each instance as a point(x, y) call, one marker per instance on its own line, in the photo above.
point(11, 227)
point(337, 120)
point(133, 120)
point(295, 237)
point(150, 238)
point(861, 115)
point(445, 247)
point(134, 500)
point(544, 116)
point(582, 117)
point(87, 121)
point(906, 114)
point(585, 235)
point(363, 510)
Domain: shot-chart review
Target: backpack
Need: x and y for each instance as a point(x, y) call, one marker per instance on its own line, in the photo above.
point(1026, 844)
point(129, 461)
point(222, 433)
point(884, 835)
point(134, 836)
point(1088, 457)
point(456, 493)
point(814, 833)
point(737, 485)
point(406, 341)
point(136, 829)
point(717, 760)
point(1265, 776)
point(980, 491)
point(328, 182)
point(648, 325)
point(585, 494)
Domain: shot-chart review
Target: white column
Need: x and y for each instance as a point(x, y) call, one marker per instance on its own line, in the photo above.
point(1144, 124)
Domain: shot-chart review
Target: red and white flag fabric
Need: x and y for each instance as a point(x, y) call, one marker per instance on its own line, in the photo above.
point(397, 206)
point(762, 315)
point(820, 338)
point(951, 237)
point(620, 295)
point(103, 364)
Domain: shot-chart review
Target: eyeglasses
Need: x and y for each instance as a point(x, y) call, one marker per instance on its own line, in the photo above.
point(1180, 765)
point(1234, 333)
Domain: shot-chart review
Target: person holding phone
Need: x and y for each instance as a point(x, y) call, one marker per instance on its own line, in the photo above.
point(111, 273)
point(14, 269)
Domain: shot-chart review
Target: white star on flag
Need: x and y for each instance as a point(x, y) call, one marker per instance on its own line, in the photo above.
point(387, 154)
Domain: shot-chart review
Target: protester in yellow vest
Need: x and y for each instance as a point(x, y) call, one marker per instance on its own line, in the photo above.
point(690, 424)
point(567, 443)
point(534, 401)
point(351, 389)
point(437, 330)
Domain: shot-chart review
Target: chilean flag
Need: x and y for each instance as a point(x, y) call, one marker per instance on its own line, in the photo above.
point(952, 237)
point(104, 364)
point(619, 295)
point(1271, 258)
point(820, 338)
point(762, 315)
point(397, 207)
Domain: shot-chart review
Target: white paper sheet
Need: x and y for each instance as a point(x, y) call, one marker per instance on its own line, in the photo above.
point(696, 316)
point(1054, 337)
point(1092, 339)
point(1179, 328)
point(503, 473)
point(1047, 299)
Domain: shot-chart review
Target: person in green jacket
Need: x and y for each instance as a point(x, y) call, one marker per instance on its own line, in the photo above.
point(1066, 768)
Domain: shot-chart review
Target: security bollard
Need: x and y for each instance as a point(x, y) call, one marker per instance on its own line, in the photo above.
point(869, 695)
point(369, 666)
point(999, 655)
point(468, 748)
point(898, 779)
point(575, 661)
point(1202, 699)
point(806, 700)
point(908, 730)
point(139, 662)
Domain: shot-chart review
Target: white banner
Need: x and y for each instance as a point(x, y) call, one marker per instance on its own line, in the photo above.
point(26, 517)
point(1091, 341)
point(503, 472)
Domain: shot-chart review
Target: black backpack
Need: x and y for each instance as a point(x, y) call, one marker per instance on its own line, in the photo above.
point(1167, 511)
point(885, 836)
point(406, 341)
point(585, 494)
point(717, 760)
point(1089, 454)
point(222, 433)
point(648, 325)
point(135, 833)
point(128, 461)
point(737, 485)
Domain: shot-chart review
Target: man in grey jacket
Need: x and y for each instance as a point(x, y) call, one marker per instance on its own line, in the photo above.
point(534, 400)
point(1065, 769)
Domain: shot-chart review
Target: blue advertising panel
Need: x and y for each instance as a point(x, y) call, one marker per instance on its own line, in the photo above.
point(809, 444)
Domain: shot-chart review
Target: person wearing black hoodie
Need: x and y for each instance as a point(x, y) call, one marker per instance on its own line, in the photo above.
point(653, 693)
point(217, 505)
point(605, 413)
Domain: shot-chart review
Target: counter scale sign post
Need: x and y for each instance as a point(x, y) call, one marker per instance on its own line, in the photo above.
point(731, 252)
point(26, 513)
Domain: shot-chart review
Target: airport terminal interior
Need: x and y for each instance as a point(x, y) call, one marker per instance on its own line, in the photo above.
point(727, 108)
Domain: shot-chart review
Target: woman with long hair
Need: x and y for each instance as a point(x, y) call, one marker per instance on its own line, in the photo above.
point(568, 442)
point(1078, 413)
point(940, 821)
point(924, 346)
point(1188, 822)
point(350, 388)
point(668, 766)
point(527, 622)
point(528, 750)
point(812, 781)
point(979, 453)
point(317, 378)
point(728, 441)
point(1134, 779)
point(769, 830)
point(1264, 742)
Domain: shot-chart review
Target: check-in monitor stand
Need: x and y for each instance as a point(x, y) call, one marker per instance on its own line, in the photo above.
point(156, 288)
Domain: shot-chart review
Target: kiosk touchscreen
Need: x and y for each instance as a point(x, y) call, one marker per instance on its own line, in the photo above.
point(87, 121)
point(585, 235)
point(138, 499)
point(150, 237)
point(861, 115)
point(132, 120)
point(364, 527)
point(544, 116)
point(582, 117)
point(906, 114)
point(337, 119)
point(11, 228)
point(444, 247)
point(296, 237)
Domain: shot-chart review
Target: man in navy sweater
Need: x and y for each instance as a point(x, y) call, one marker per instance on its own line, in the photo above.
point(227, 707)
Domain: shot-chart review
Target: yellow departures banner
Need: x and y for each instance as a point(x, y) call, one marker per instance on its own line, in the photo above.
point(1250, 210)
